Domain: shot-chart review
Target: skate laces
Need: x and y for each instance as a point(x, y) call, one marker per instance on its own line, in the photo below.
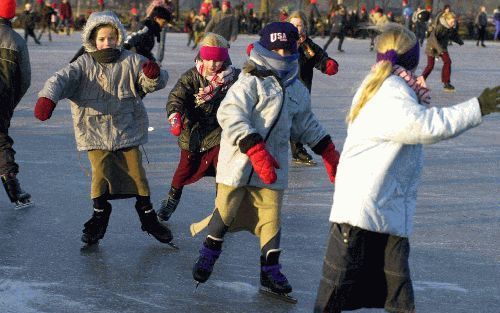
point(207, 258)
point(275, 272)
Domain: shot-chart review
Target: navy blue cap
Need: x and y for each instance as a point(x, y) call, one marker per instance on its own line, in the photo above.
point(279, 35)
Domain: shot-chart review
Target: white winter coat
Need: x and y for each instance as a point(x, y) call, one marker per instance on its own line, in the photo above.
point(382, 159)
point(251, 106)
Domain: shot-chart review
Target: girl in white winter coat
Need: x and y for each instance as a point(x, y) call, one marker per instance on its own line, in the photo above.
point(110, 121)
point(366, 263)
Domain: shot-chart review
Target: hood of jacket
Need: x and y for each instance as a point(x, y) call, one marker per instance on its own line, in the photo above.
point(101, 18)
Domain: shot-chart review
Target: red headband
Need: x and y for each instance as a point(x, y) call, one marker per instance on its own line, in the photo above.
point(214, 53)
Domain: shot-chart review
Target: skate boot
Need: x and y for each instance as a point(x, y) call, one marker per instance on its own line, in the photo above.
point(168, 206)
point(272, 281)
point(448, 87)
point(209, 253)
point(152, 226)
point(301, 157)
point(95, 228)
point(16, 195)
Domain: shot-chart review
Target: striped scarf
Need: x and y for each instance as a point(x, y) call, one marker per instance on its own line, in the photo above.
point(218, 82)
point(421, 90)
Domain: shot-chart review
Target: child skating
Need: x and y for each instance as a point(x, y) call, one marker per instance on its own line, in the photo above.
point(266, 106)
point(192, 113)
point(15, 79)
point(366, 262)
point(110, 120)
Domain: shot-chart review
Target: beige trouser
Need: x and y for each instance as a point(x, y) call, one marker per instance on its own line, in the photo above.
point(254, 209)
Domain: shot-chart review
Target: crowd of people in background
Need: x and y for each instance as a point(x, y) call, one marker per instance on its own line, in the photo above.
point(339, 21)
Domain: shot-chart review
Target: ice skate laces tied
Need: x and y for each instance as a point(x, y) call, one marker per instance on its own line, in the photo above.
point(208, 258)
point(275, 272)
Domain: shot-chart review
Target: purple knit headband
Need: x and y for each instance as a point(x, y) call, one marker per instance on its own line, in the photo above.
point(408, 60)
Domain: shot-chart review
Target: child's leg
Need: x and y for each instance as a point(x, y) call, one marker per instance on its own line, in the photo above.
point(430, 66)
point(341, 41)
point(95, 228)
point(229, 200)
point(187, 166)
point(446, 72)
point(330, 39)
point(149, 220)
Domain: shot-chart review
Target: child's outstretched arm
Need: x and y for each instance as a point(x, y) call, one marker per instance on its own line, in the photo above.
point(61, 85)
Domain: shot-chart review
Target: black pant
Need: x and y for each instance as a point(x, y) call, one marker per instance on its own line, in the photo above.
point(340, 36)
point(481, 34)
point(7, 163)
point(30, 32)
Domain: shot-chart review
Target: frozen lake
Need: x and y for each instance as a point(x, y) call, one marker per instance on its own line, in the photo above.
point(455, 257)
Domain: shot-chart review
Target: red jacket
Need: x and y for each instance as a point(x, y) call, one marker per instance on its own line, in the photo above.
point(65, 10)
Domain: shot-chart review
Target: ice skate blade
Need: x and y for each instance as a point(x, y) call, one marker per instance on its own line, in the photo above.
point(281, 296)
point(304, 163)
point(21, 205)
point(173, 245)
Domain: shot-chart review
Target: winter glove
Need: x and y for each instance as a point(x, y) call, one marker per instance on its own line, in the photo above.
point(175, 120)
point(332, 67)
point(263, 162)
point(489, 100)
point(331, 160)
point(249, 49)
point(151, 69)
point(43, 108)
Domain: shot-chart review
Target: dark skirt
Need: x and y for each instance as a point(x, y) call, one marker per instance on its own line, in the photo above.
point(364, 269)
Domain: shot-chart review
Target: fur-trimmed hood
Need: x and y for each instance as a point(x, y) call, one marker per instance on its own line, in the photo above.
point(101, 18)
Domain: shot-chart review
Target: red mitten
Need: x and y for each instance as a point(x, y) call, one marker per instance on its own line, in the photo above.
point(44, 108)
point(151, 69)
point(175, 120)
point(249, 49)
point(263, 163)
point(332, 67)
point(331, 160)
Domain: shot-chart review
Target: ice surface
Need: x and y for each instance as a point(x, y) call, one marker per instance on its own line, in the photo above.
point(455, 257)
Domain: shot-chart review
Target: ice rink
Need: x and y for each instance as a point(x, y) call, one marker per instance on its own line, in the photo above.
point(455, 256)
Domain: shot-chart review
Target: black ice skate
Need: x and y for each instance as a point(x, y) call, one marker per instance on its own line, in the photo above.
point(272, 281)
point(168, 206)
point(204, 265)
point(448, 87)
point(95, 228)
point(301, 157)
point(153, 227)
point(16, 195)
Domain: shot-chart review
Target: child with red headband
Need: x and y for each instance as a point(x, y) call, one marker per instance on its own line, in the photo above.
point(192, 107)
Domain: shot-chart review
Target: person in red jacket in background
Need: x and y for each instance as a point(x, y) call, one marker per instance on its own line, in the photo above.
point(66, 14)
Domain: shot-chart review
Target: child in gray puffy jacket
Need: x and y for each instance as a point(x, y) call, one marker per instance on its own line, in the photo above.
point(265, 107)
point(110, 121)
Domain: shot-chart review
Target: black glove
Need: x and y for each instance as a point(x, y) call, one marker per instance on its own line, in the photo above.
point(489, 100)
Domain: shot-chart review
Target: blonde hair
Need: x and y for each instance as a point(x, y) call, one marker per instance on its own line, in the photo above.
point(393, 37)
point(301, 15)
point(214, 40)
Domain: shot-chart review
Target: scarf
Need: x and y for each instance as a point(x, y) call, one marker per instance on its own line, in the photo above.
point(423, 93)
point(286, 68)
point(109, 55)
point(221, 81)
